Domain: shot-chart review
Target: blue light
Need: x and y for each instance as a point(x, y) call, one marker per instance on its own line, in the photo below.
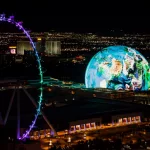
point(118, 68)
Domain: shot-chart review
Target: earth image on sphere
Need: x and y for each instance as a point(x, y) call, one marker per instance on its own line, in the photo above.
point(118, 68)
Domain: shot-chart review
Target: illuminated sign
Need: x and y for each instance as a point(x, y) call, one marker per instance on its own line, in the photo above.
point(118, 68)
point(39, 39)
point(12, 47)
point(13, 51)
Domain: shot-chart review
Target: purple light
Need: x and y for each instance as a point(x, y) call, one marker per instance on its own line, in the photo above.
point(19, 26)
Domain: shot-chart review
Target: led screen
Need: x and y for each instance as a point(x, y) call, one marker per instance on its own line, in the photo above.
point(13, 51)
point(118, 68)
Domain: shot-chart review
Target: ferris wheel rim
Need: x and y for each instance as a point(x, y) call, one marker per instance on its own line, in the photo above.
point(19, 25)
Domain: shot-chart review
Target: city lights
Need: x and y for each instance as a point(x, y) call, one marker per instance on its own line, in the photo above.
point(50, 143)
point(69, 139)
point(39, 39)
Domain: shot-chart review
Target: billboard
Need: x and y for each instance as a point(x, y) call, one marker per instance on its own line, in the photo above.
point(13, 51)
point(118, 68)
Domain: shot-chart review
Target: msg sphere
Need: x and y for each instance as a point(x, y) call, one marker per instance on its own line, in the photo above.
point(118, 68)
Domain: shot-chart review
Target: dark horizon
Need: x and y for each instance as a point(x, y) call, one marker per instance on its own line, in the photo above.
point(75, 17)
point(82, 27)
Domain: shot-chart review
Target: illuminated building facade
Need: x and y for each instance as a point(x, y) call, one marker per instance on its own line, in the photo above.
point(85, 125)
point(12, 49)
point(38, 45)
point(52, 47)
point(97, 123)
point(118, 68)
point(23, 46)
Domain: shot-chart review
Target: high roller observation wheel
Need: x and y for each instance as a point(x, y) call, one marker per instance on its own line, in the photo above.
point(11, 20)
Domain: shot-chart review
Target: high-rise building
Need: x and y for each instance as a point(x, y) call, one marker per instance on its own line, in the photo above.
point(23, 46)
point(40, 46)
point(52, 47)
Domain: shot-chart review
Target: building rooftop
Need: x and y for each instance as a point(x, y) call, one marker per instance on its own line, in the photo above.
point(90, 108)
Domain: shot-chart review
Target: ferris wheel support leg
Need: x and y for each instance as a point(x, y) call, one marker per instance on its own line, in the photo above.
point(10, 105)
point(18, 113)
point(44, 116)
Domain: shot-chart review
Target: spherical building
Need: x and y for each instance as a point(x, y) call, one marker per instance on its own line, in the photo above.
point(118, 68)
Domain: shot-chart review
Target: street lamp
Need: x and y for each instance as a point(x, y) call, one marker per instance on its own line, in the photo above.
point(50, 142)
point(69, 139)
point(84, 136)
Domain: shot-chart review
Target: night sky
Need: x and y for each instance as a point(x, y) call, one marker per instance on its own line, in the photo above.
point(45, 15)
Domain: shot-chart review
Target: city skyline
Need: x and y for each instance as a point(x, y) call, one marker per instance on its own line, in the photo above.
point(58, 88)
